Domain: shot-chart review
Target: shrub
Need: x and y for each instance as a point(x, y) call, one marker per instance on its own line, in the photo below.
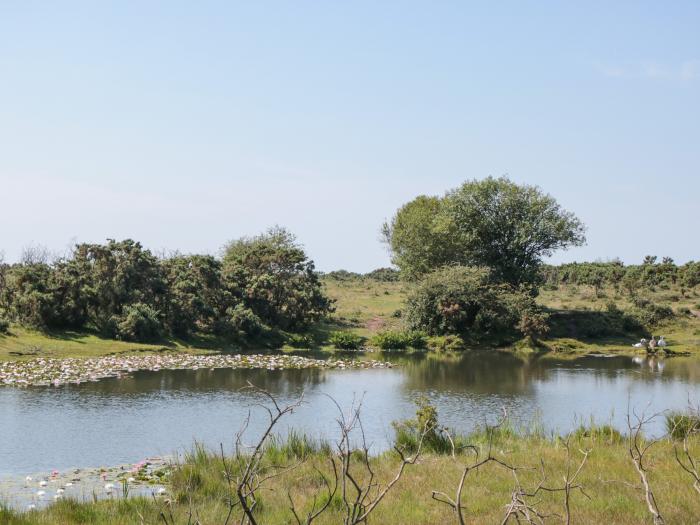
point(425, 424)
point(241, 320)
point(399, 340)
point(300, 340)
point(345, 340)
point(650, 314)
point(461, 300)
point(604, 433)
point(384, 275)
point(4, 325)
point(680, 425)
point(278, 281)
point(533, 324)
point(138, 322)
point(445, 343)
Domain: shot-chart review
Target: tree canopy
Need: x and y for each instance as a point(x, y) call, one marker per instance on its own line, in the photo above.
point(492, 223)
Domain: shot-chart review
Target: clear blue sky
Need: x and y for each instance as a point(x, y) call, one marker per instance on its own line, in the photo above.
point(184, 124)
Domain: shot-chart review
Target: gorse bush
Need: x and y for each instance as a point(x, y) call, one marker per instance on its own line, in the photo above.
point(138, 322)
point(650, 314)
point(122, 290)
point(4, 325)
point(278, 282)
point(462, 300)
point(240, 320)
point(345, 340)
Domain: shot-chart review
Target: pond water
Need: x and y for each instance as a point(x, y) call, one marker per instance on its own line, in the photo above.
point(118, 421)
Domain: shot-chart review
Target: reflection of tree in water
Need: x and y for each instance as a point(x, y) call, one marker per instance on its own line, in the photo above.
point(147, 383)
point(475, 372)
point(491, 372)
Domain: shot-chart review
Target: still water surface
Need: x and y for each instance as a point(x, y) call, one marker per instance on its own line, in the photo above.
point(118, 421)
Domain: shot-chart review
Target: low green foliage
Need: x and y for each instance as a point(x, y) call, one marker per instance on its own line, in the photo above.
point(138, 322)
point(680, 425)
point(4, 325)
point(300, 340)
point(424, 431)
point(446, 343)
point(604, 433)
point(399, 339)
point(346, 340)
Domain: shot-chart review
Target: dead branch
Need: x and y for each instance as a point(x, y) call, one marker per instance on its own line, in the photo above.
point(638, 447)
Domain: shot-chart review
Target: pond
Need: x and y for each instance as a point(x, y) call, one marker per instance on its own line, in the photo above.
point(117, 421)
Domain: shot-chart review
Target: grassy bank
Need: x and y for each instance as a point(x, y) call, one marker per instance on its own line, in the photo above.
point(608, 477)
point(366, 307)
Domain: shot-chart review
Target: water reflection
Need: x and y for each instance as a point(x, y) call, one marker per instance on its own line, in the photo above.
point(120, 421)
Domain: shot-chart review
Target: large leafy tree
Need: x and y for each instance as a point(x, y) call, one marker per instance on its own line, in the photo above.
point(492, 223)
point(418, 240)
point(277, 279)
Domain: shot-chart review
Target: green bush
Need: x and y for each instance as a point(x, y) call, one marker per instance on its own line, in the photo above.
point(4, 325)
point(300, 341)
point(386, 275)
point(462, 300)
point(241, 321)
point(425, 425)
point(138, 322)
point(604, 433)
point(399, 340)
point(345, 340)
point(445, 343)
point(278, 280)
point(680, 425)
point(650, 314)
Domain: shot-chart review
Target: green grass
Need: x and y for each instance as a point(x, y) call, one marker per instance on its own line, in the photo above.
point(608, 477)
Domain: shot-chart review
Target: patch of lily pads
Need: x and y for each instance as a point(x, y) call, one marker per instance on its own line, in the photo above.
point(45, 371)
point(146, 478)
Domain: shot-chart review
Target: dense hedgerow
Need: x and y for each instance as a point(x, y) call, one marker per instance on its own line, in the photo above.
point(124, 291)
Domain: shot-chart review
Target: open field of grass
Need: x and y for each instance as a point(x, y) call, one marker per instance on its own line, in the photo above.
point(366, 307)
point(608, 477)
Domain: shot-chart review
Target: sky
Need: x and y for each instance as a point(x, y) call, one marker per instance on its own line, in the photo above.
point(187, 124)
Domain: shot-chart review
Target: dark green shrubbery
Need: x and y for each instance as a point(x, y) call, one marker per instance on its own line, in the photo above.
point(345, 340)
point(122, 290)
point(462, 300)
point(300, 340)
point(277, 280)
point(399, 340)
point(650, 314)
point(4, 325)
point(240, 321)
point(138, 322)
point(387, 275)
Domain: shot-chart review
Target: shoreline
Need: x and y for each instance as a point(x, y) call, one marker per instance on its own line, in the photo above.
point(57, 372)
